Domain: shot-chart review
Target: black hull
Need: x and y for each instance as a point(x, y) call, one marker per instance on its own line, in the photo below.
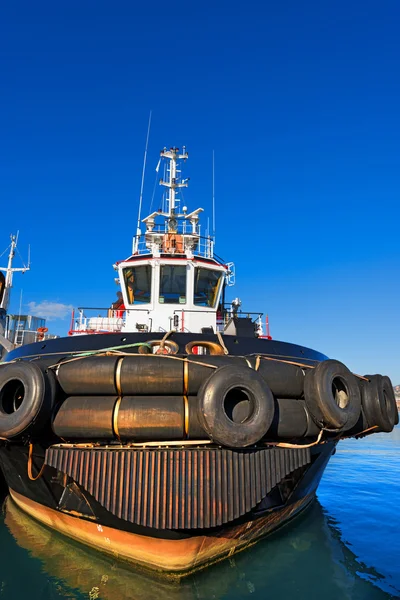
point(3, 485)
point(236, 345)
point(56, 498)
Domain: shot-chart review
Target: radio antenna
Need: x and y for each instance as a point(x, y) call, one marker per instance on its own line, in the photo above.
point(213, 195)
point(138, 231)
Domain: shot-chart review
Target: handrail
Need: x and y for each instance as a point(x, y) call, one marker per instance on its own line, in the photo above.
point(113, 309)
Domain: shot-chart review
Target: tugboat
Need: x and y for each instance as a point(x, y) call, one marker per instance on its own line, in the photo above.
point(168, 430)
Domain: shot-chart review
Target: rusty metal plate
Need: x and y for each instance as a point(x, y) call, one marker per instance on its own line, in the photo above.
point(177, 489)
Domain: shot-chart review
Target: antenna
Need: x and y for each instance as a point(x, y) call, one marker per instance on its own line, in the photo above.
point(213, 195)
point(138, 232)
point(173, 155)
point(10, 270)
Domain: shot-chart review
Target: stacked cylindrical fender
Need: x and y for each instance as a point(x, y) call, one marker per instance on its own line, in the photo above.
point(222, 398)
point(233, 401)
point(130, 418)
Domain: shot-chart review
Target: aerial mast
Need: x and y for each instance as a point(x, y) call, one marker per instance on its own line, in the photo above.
point(9, 271)
point(173, 155)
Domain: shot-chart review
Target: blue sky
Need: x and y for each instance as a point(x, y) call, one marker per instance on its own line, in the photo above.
point(299, 101)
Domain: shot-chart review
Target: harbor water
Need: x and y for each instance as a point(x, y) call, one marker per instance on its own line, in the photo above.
point(347, 545)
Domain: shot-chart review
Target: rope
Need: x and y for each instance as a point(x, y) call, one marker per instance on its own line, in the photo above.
point(365, 379)
point(298, 364)
point(193, 362)
point(289, 362)
point(284, 445)
point(138, 444)
point(162, 343)
point(101, 352)
point(367, 431)
point(111, 348)
point(32, 477)
point(89, 353)
point(221, 341)
point(57, 365)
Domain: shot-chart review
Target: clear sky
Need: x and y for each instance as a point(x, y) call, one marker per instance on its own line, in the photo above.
point(300, 102)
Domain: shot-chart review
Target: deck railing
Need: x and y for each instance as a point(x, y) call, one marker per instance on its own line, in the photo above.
point(102, 320)
point(204, 247)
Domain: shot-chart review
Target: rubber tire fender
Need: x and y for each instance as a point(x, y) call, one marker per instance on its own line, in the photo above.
point(393, 400)
point(26, 398)
point(332, 395)
point(378, 402)
point(213, 406)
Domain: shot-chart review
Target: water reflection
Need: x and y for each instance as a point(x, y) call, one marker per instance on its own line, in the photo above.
point(361, 490)
point(305, 560)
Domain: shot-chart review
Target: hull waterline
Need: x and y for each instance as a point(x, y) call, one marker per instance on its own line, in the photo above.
point(172, 553)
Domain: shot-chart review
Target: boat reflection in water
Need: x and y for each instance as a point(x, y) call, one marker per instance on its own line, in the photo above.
point(306, 561)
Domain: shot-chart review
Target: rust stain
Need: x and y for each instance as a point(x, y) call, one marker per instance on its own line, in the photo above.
point(176, 557)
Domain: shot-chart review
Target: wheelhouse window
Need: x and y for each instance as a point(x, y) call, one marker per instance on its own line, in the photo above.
point(138, 284)
point(172, 284)
point(207, 284)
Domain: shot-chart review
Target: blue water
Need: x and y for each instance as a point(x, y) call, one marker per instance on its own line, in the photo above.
point(346, 546)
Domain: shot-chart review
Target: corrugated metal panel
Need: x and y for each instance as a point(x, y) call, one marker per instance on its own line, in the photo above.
point(177, 489)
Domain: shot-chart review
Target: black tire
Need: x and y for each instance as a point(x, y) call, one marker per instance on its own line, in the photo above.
point(378, 402)
point(393, 399)
point(235, 406)
point(26, 399)
point(332, 396)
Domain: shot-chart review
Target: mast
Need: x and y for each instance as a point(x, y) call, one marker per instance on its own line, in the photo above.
point(9, 271)
point(173, 155)
point(180, 232)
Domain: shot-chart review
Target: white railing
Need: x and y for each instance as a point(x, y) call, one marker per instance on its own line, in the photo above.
point(204, 246)
point(96, 320)
point(21, 337)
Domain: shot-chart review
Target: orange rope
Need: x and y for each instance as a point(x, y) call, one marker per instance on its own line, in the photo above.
point(32, 477)
point(365, 431)
point(365, 379)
